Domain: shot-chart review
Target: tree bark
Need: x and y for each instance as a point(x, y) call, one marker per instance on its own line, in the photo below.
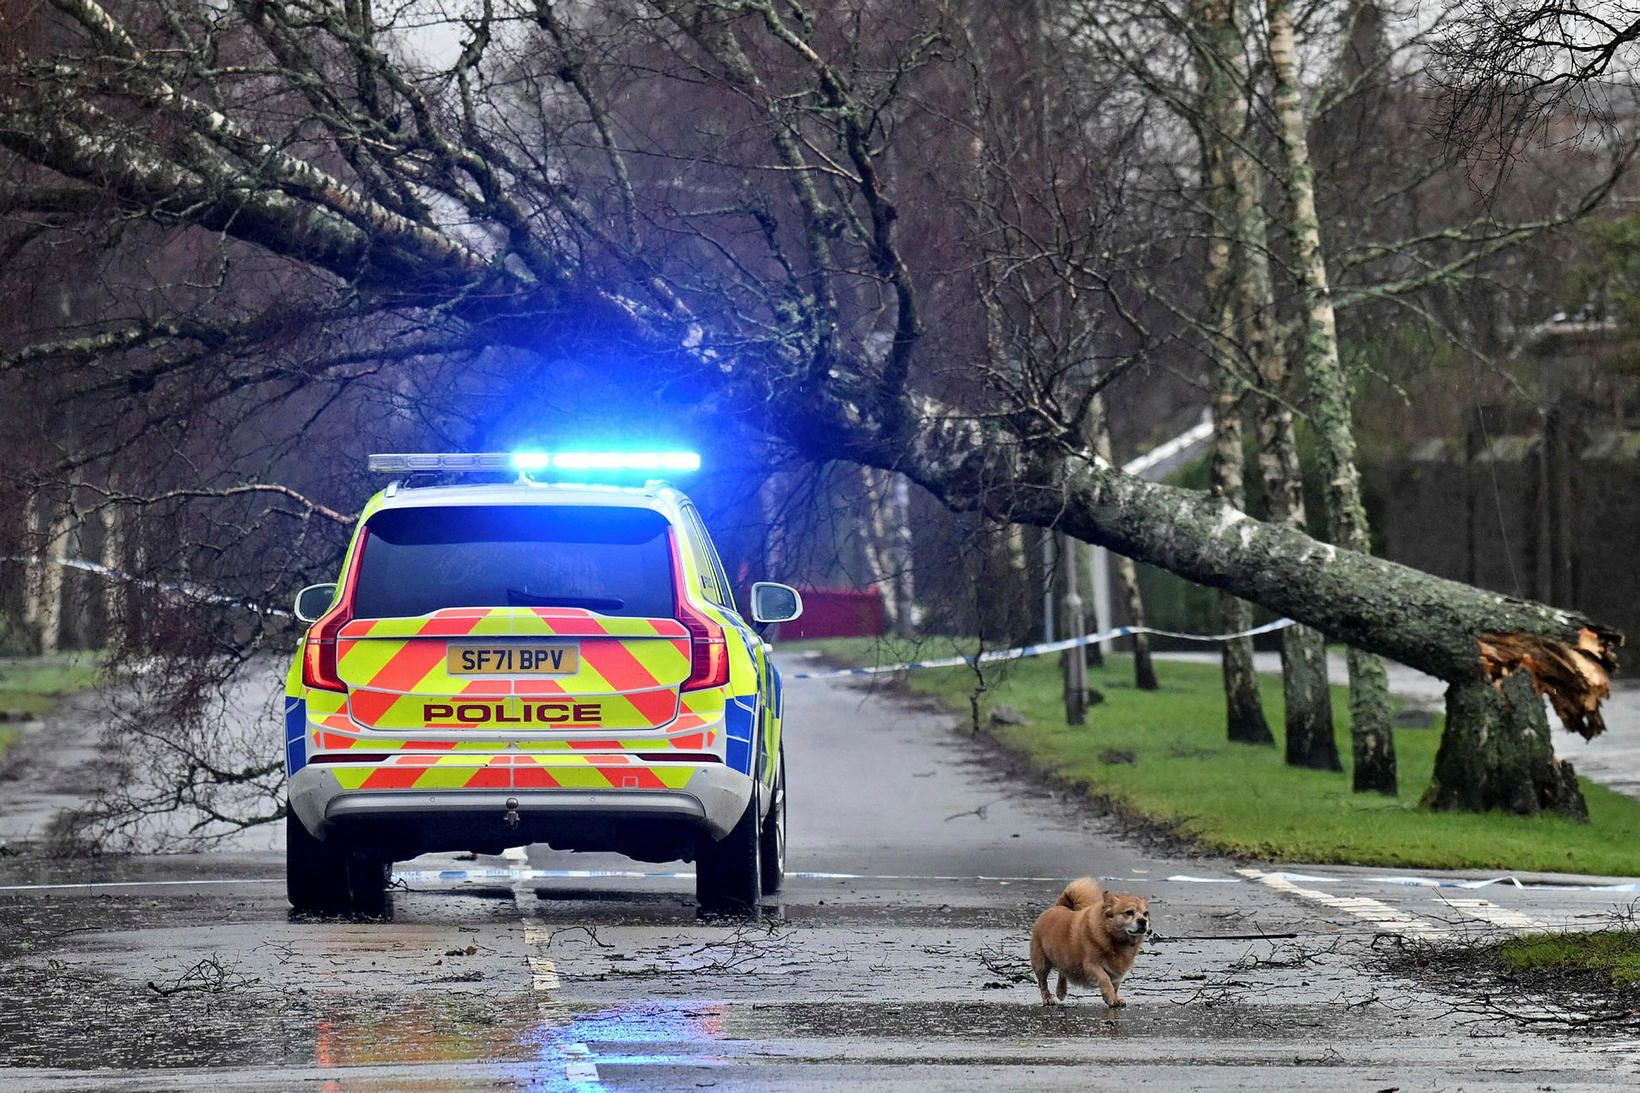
point(1127, 574)
point(879, 536)
point(1090, 606)
point(1244, 707)
point(904, 554)
point(50, 609)
point(1308, 699)
point(1454, 631)
point(1234, 184)
point(1497, 753)
point(1371, 737)
point(1072, 624)
point(114, 591)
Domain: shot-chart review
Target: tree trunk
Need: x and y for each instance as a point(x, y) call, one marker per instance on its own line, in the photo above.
point(875, 541)
point(1244, 707)
point(1092, 617)
point(1371, 738)
point(1497, 754)
point(885, 534)
point(904, 583)
point(50, 609)
point(33, 569)
point(114, 587)
point(1224, 83)
point(1144, 670)
point(1127, 574)
point(1308, 700)
point(1073, 663)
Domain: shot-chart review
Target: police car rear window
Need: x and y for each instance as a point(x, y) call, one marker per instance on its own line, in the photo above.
point(615, 561)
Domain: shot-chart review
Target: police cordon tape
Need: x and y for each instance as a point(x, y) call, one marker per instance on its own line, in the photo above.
point(996, 655)
point(1407, 881)
point(993, 656)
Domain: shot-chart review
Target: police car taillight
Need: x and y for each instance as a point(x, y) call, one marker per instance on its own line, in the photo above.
point(319, 651)
point(708, 652)
point(319, 668)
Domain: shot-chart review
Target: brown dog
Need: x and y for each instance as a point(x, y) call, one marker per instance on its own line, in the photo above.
point(1091, 936)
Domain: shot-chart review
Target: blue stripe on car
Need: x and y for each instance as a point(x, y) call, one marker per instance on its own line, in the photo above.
point(295, 734)
point(739, 719)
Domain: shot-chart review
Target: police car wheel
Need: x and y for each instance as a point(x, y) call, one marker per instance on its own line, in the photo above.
point(727, 874)
point(316, 873)
point(367, 882)
point(772, 845)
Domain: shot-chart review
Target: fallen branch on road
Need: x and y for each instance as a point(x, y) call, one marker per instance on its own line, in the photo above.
point(209, 976)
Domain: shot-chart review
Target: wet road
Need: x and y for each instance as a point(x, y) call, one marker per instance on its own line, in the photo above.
point(892, 960)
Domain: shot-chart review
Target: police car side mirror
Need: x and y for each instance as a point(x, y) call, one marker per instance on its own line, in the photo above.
point(775, 602)
point(314, 600)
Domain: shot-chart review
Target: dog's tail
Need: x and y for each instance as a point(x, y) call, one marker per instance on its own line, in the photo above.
point(1081, 893)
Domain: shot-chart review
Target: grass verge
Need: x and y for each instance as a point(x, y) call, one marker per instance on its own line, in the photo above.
point(1587, 982)
point(30, 689)
point(1161, 757)
point(1609, 957)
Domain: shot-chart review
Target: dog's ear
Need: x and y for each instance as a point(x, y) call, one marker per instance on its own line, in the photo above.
point(1108, 900)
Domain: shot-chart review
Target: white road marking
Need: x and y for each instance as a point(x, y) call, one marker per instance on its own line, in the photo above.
point(1491, 913)
point(140, 883)
point(1374, 911)
point(580, 1061)
point(543, 972)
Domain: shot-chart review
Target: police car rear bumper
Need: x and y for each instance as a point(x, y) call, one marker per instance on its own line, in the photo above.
point(713, 801)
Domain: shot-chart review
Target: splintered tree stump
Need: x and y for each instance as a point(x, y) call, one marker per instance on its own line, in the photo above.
point(1496, 753)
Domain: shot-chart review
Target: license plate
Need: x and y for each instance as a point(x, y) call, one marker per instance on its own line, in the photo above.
point(512, 660)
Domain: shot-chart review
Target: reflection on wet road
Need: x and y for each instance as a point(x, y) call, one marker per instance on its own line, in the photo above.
point(616, 983)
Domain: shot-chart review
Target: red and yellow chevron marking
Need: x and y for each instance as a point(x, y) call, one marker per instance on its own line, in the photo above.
point(511, 772)
point(330, 741)
point(629, 670)
point(560, 622)
point(697, 727)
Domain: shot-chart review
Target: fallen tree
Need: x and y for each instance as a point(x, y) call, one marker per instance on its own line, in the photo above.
point(510, 197)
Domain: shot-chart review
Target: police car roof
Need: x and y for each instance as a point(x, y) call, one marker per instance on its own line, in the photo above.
point(657, 496)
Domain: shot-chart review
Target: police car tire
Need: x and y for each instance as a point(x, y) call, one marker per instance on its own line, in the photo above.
point(727, 877)
point(772, 844)
point(316, 873)
point(367, 883)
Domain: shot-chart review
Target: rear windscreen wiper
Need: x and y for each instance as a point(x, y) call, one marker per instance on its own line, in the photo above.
point(521, 597)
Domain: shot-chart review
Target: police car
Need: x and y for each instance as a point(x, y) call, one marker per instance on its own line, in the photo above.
point(517, 660)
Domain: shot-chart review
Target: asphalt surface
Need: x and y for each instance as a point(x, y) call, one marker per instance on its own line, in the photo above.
point(894, 960)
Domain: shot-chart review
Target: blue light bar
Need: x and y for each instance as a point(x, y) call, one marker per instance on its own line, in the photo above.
point(644, 462)
point(526, 462)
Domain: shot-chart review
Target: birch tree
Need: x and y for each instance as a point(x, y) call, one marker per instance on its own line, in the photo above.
point(1371, 733)
point(1222, 110)
point(1222, 87)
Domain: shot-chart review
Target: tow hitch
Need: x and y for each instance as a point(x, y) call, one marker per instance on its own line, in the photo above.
point(511, 817)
